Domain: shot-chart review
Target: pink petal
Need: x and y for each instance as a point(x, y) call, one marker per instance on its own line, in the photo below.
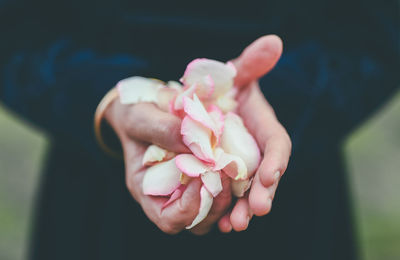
point(138, 89)
point(222, 74)
point(198, 139)
point(195, 109)
point(175, 195)
point(236, 140)
point(188, 92)
point(218, 117)
point(205, 87)
point(231, 164)
point(239, 187)
point(190, 165)
point(206, 200)
point(212, 181)
point(161, 179)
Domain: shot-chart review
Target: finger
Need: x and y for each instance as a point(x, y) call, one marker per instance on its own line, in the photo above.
point(252, 103)
point(224, 224)
point(276, 159)
point(182, 212)
point(257, 59)
point(270, 135)
point(241, 214)
point(220, 205)
point(260, 200)
point(149, 124)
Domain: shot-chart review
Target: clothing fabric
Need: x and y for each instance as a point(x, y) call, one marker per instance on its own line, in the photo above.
point(58, 58)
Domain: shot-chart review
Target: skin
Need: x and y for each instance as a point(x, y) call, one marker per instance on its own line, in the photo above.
point(141, 124)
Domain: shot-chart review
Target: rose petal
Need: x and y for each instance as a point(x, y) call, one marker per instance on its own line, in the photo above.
point(190, 165)
point(236, 140)
point(198, 139)
point(175, 195)
point(138, 89)
point(205, 88)
point(218, 117)
point(161, 179)
point(175, 85)
point(195, 109)
point(185, 179)
point(212, 181)
point(187, 92)
point(222, 75)
point(231, 164)
point(206, 200)
point(226, 103)
point(156, 154)
point(239, 187)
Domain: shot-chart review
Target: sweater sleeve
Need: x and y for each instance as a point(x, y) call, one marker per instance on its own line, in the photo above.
point(52, 80)
point(337, 75)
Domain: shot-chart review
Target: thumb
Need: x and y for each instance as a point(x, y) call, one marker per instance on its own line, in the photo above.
point(257, 59)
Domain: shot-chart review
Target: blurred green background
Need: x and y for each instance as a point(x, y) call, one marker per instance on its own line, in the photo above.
point(373, 161)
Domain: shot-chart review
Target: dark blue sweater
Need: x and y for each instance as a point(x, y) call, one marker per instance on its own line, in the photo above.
point(58, 58)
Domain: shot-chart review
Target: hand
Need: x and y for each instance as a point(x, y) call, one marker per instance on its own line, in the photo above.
point(141, 124)
point(272, 138)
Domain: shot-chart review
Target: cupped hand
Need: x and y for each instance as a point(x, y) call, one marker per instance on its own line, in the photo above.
point(142, 124)
point(259, 117)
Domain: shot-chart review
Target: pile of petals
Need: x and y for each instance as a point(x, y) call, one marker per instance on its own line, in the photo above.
point(216, 136)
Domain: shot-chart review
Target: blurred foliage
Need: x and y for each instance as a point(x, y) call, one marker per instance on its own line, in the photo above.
point(373, 159)
point(22, 150)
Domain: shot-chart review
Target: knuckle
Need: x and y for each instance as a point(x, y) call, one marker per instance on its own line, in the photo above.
point(169, 229)
point(288, 141)
point(221, 205)
point(184, 209)
point(129, 182)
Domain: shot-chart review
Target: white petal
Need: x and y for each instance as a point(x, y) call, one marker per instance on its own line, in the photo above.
point(239, 187)
point(222, 74)
point(236, 140)
point(206, 200)
point(212, 181)
point(231, 164)
point(198, 139)
point(190, 165)
point(175, 85)
point(195, 109)
point(187, 92)
point(226, 103)
point(218, 117)
point(155, 154)
point(138, 89)
point(161, 179)
point(205, 87)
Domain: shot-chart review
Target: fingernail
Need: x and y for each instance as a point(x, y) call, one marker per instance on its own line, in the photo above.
point(248, 220)
point(276, 176)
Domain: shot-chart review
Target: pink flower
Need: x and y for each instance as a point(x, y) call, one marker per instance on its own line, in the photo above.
point(216, 136)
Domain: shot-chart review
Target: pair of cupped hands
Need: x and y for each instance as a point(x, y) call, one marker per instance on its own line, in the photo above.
point(142, 124)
